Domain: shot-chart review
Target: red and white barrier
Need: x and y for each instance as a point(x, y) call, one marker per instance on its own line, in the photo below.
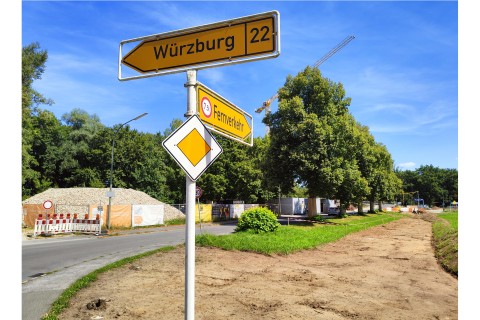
point(40, 227)
point(86, 226)
point(66, 225)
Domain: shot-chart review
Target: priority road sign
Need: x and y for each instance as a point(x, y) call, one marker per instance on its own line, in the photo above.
point(237, 40)
point(193, 147)
point(223, 117)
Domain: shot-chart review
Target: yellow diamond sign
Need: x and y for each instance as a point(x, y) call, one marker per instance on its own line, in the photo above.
point(193, 147)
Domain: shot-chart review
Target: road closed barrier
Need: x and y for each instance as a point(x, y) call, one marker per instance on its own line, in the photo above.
point(57, 225)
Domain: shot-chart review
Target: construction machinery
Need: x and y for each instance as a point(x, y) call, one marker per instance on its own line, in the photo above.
point(266, 104)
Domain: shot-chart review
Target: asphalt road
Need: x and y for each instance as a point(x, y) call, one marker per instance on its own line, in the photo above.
point(50, 265)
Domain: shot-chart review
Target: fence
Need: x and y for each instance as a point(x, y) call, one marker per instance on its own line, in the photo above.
point(127, 215)
point(66, 224)
point(147, 215)
point(120, 215)
point(222, 212)
point(31, 212)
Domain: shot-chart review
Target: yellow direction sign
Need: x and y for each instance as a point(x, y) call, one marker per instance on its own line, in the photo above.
point(193, 147)
point(224, 117)
point(232, 41)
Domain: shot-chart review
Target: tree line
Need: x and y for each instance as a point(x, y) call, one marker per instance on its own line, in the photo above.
point(315, 148)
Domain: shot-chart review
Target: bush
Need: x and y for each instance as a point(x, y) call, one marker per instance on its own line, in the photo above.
point(259, 220)
point(317, 218)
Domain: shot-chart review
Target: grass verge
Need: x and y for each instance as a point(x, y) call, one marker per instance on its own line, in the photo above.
point(288, 239)
point(445, 241)
point(63, 301)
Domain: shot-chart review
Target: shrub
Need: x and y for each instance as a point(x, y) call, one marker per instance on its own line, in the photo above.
point(259, 220)
point(317, 218)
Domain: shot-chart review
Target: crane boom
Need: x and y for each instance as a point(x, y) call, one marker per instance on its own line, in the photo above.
point(333, 51)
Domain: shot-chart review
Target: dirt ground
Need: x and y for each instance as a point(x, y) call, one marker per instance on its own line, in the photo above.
point(386, 272)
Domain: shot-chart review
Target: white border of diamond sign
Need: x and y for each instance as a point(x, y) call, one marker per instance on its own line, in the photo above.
point(171, 145)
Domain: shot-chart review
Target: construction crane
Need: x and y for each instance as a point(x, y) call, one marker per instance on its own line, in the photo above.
point(266, 104)
point(333, 51)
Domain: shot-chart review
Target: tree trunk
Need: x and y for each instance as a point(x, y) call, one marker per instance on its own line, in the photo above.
point(312, 206)
point(372, 206)
point(360, 207)
point(380, 206)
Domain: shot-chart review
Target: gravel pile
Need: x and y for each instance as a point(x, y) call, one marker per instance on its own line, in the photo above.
point(76, 199)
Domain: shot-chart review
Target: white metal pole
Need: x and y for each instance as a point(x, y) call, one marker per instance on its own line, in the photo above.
point(190, 212)
point(109, 208)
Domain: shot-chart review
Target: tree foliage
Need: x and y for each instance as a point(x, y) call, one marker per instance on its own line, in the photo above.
point(33, 66)
point(316, 142)
point(435, 186)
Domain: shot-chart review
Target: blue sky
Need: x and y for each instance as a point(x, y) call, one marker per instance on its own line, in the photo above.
point(400, 70)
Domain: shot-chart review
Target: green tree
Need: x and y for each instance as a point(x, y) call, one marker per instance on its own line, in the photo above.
point(367, 161)
point(234, 175)
point(383, 182)
point(84, 151)
point(139, 163)
point(449, 186)
point(47, 147)
point(409, 184)
point(286, 142)
point(429, 183)
point(33, 66)
point(259, 154)
point(434, 185)
point(314, 140)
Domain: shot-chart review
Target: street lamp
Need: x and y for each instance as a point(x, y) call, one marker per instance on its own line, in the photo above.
point(110, 193)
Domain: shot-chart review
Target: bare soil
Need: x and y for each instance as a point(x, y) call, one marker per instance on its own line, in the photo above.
point(385, 272)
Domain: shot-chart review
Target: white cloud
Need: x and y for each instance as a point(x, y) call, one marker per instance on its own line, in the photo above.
point(407, 101)
point(169, 14)
point(414, 117)
point(407, 165)
point(212, 77)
